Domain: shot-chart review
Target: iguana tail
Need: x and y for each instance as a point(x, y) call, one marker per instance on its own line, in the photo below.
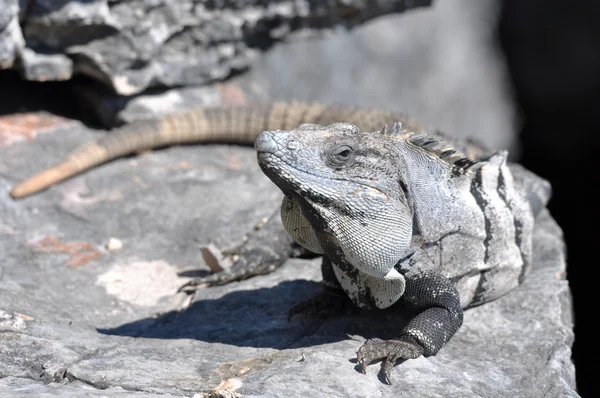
point(239, 125)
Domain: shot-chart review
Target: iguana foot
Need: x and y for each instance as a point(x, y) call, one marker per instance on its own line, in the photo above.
point(262, 250)
point(229, 268)
point(324, 305)
point(388, 350)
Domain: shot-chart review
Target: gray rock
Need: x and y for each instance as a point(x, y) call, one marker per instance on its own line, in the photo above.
point(44, 67)
point(15, 386)
point(130, 46)
point(11, 38)
point(78, 319)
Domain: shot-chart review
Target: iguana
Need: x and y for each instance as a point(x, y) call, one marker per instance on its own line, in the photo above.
point(403, 215)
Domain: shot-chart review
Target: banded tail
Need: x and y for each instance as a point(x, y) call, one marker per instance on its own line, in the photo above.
point(239, 125)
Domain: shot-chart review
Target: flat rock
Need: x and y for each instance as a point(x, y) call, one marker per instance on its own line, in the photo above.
point(79, 319)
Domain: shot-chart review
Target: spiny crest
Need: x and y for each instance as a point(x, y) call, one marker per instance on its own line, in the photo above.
point(396, 129)
point(442, 150)
point(435, 145)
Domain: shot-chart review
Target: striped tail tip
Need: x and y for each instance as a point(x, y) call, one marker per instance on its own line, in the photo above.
point(39, 182)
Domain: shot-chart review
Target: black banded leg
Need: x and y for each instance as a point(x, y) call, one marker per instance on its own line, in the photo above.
point(440, 316)
point(331, 301)
point(263, 250)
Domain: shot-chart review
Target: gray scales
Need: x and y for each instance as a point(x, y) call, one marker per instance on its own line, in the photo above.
point(405, 217)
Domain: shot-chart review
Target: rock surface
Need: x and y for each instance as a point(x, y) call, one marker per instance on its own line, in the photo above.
point(129, 46)
point(80, 319)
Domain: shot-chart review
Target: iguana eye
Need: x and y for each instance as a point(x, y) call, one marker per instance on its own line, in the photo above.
point(343, 152)
point(340, 155)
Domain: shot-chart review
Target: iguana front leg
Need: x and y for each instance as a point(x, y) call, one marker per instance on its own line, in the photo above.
point(440, 316)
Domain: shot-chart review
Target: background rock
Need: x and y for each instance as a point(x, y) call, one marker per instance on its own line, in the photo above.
point(11, 38)
point(130, 46)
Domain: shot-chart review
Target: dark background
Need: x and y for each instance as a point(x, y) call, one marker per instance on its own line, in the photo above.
point(553, 53)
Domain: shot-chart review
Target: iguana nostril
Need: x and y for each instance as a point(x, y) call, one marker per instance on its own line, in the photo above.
point(266, 143)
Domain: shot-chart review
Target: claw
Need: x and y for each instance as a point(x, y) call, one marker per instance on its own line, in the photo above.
point(390, 351)
point(361, 362)
point(363, 367)
point(214, 259)
point(386, 368)
point(387, 379)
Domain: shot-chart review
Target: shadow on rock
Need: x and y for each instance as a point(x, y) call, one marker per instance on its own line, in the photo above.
point(258, 318)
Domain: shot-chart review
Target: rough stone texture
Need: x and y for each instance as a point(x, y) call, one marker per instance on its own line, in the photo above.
point(42, 67)
point(79, 319)
point(11, 38)
point(132, 45)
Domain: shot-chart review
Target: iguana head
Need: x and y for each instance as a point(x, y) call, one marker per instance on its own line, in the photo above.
point(335, 163)
point(350, 180)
